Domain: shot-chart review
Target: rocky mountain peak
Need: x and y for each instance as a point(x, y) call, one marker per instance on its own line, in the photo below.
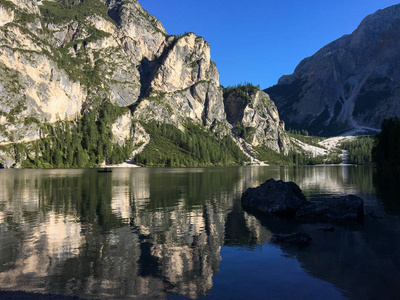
point(349, 83)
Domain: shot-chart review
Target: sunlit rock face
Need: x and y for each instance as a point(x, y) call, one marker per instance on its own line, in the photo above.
point(349, 83)
point(54, 68)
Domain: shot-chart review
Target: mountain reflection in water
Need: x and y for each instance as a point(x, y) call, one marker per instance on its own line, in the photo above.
point(157, 232)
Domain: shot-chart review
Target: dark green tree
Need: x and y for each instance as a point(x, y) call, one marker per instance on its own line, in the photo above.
point(386, 150)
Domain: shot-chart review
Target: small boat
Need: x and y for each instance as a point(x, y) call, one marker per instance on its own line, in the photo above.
point(105, 170)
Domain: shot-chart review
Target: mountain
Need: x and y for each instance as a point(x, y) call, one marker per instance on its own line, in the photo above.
point(68, 66)
point(352, 82)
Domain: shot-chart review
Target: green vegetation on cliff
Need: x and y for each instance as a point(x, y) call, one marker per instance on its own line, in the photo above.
point(67, 10)
point(244, 91)
point(194, 147)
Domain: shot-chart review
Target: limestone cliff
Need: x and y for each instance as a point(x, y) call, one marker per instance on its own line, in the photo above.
point(61, 59)
point(183, 85)
point(350, 83)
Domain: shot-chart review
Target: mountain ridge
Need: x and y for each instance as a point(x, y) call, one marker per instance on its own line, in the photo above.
point(339, 87)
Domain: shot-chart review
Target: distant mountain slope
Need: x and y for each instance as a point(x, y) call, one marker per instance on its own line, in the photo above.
point(352, 82)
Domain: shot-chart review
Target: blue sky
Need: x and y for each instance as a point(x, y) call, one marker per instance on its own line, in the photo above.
point(258, 41)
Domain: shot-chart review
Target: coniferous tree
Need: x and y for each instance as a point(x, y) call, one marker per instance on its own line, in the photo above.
point(387, 144)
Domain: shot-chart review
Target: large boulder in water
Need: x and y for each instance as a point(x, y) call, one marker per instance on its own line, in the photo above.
point(286, 199)
point(275, 197)
point(348, 207)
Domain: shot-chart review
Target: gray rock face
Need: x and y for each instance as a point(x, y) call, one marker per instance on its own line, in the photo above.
point(349, 83)
point(258, 117)
point(287, 199)
point(183, 85)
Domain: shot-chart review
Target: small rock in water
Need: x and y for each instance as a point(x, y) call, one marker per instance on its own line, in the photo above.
point(300, 239)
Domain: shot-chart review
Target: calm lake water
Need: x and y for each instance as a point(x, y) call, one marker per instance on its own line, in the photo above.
point(181, 233)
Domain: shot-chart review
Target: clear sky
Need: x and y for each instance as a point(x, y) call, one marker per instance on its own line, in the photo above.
point(258, 41)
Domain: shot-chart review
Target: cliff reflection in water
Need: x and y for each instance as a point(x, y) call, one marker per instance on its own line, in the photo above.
point(121, 234)
point(136, 231)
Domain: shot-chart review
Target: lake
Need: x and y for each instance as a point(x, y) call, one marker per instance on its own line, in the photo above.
point(181, 233)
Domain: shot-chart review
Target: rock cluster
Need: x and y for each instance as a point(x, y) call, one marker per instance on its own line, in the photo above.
point(286, 199)
point(275, 197)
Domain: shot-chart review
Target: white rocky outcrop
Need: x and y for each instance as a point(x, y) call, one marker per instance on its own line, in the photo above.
point(122, 128)
point(6, 15)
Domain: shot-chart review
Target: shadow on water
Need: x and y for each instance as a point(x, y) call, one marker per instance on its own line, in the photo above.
point(387, 185)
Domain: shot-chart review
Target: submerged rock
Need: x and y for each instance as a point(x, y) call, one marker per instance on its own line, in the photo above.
point(287, 199)
point(300, 239)
point(275, 197)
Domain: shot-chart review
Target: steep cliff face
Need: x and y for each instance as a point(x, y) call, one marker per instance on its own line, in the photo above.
point(184, 85)
point(350, 83)
point(255, 118)
point(57, 60)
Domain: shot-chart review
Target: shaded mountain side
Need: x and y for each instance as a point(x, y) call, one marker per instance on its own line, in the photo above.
point(350, 83)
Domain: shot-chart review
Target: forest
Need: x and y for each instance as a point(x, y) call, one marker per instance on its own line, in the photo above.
point(195, 146)
point(87, 142)
point(359, 150)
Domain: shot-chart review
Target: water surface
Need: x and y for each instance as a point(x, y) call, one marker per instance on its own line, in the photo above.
point(181, 233)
